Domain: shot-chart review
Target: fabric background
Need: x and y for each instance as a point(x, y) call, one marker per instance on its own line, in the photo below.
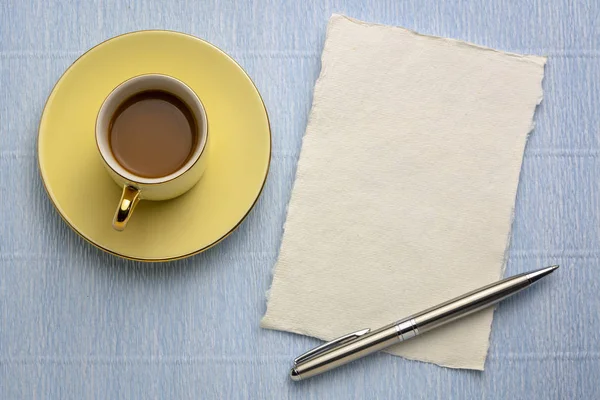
point(77, 323)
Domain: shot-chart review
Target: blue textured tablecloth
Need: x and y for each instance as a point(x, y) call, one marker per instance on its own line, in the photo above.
point(77, 323)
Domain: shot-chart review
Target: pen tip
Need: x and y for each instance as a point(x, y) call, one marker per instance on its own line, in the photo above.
point(534, 276)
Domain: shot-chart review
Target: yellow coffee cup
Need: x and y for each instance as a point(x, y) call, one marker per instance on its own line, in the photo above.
point(135, 186)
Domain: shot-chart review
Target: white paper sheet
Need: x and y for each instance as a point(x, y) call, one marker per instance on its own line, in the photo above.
point(405, 186)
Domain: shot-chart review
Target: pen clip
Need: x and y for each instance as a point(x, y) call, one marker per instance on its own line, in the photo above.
point(329, 346)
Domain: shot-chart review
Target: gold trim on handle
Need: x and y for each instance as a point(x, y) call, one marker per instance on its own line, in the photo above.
point(129, 199)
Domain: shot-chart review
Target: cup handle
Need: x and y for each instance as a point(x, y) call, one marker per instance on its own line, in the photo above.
point(129, 199)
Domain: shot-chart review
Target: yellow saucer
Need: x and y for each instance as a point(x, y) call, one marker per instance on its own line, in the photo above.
point(239, 153)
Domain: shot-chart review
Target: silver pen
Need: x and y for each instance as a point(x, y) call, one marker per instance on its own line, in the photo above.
point(358, 344)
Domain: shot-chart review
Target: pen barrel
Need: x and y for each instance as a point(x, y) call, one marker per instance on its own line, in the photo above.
point(365, 345)
point(358, 344)
point(410, 327)
point(469, 303)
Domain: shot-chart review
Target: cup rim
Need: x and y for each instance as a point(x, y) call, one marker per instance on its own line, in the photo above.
point(140, 180)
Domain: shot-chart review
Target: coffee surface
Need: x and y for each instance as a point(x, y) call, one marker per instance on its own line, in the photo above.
point(153, 134)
